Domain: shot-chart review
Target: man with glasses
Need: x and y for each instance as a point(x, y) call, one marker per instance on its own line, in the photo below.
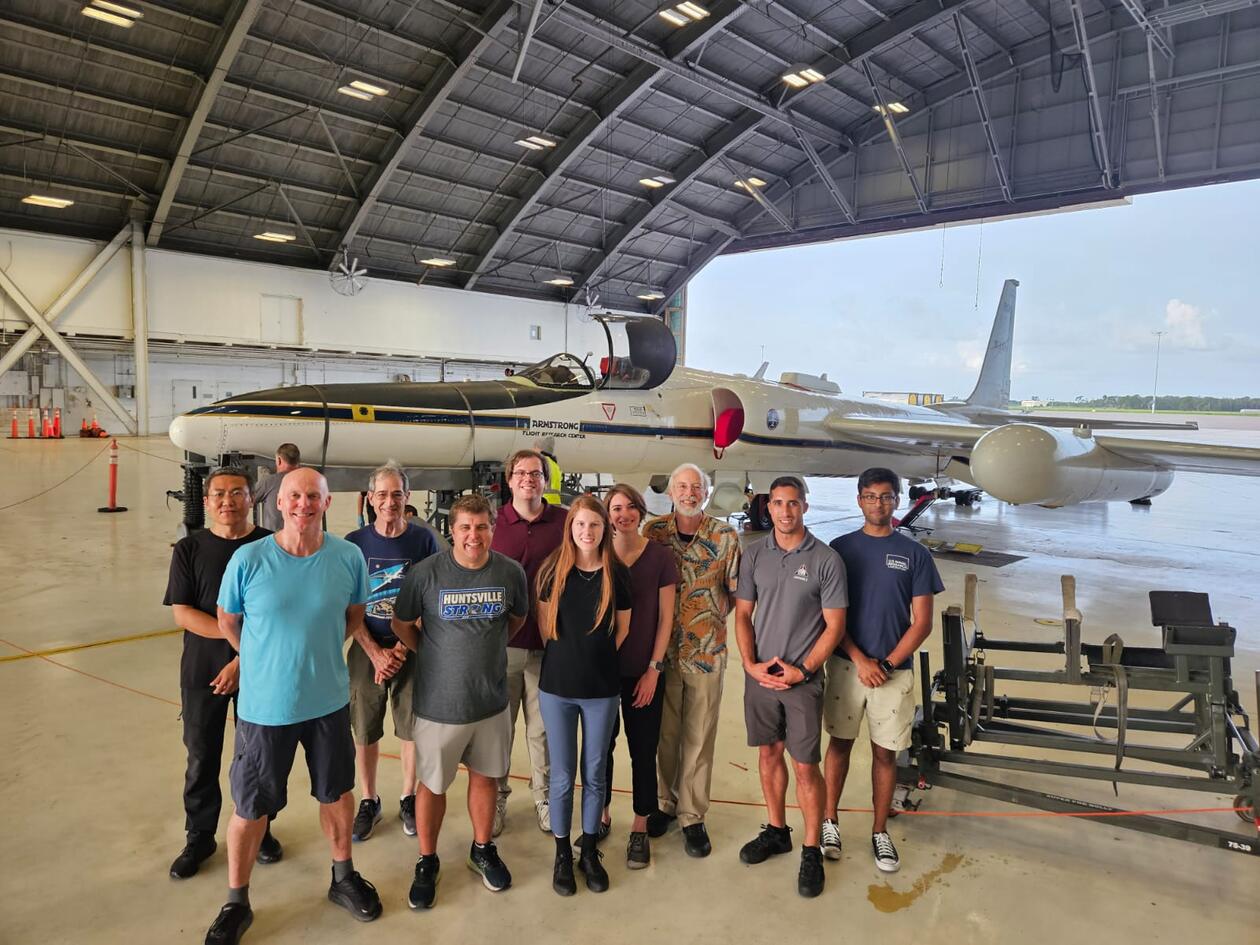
point(381, 667)
point(209, 668)
point(892, 580)
point(528, 529)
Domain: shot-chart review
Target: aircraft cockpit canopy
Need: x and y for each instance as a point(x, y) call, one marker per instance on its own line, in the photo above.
point(560, 371)
point(641, 354)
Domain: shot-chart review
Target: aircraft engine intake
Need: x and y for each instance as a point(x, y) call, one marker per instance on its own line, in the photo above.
point(1024, 463)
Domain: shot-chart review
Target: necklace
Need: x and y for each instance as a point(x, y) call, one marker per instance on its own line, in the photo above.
point(587, 577)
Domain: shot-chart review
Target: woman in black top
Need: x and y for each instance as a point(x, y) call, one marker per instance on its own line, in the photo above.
point(583, 615)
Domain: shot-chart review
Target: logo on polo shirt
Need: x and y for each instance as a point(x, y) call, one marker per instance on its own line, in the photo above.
point(472, 603)
point(801, 574)
point(897, 562)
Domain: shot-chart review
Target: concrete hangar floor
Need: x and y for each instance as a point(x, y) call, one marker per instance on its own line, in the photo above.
point(93, 762)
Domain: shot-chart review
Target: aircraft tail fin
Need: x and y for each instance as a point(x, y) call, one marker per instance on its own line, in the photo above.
point(993, 386)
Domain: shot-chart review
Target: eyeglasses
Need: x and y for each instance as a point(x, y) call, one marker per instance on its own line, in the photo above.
point(527, 475)
point(888, 499)
point(233, 494)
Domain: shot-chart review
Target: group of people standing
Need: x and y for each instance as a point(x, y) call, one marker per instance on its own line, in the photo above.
point(592, 619)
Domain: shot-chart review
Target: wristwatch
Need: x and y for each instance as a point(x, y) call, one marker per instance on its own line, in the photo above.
point(887, 667)
point(806, 674)
point(658, 665)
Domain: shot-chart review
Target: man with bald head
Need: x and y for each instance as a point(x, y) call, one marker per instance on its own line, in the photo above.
point(287, 603)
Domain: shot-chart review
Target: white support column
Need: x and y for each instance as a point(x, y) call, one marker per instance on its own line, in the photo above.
point(140, 326)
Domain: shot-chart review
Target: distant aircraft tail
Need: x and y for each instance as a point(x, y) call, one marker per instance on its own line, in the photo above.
point(993, 387)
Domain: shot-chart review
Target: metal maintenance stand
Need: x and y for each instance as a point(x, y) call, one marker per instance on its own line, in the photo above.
point(1214, 746)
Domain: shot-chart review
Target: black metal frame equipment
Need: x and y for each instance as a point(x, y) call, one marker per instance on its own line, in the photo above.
point(1209, 748)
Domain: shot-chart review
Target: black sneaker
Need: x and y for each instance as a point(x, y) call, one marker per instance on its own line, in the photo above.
point(809, 881)
point(659, 822)
point(638, 851)
point(696, 841)
point(885, 853)
point(485, 860)
point(589, 864)
point(230, 925)
point(424, 886)
point(357, 896)
point(269, 851)
point(407, 814)
point(770, 842)
point(369, 816)
point(199, 848)
point(562, 880)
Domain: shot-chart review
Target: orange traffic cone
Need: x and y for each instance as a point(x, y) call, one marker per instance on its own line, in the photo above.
point(45, 426)
point(56, 428)
point(30, 424)
point(83, 430)
point(13, 429)
point(96, 427)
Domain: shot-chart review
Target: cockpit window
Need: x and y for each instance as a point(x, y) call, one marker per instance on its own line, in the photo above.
point(562, 371)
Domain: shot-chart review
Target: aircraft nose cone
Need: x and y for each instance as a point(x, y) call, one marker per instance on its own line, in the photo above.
point(195, 434)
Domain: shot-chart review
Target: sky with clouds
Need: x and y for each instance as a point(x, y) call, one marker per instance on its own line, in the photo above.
point(912, 311)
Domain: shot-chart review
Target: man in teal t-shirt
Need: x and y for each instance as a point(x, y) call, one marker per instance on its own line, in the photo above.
point(287, 603)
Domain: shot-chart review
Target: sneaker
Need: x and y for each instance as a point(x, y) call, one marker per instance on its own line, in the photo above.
point(485, 860)
point(369, 816)
point(638, 851)
point(357, 896)
point(500, 815)
point(659, 822)
point(809, 881)
point(831, 839)
point(407, 814)
point(590, 866)
point(424, 886)
point(770, 842)
point(543, 808)
point(230, 925)
point(696, 841)
point(562, 880)
point(885, 853)
point(199, 848)
point(269, 851)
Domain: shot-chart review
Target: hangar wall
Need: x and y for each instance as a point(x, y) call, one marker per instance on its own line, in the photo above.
point(219, 327)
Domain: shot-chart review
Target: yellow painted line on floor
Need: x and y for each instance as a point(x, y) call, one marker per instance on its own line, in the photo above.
point(32, 654)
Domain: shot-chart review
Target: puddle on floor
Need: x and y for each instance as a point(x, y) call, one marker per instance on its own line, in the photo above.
point(886, 899)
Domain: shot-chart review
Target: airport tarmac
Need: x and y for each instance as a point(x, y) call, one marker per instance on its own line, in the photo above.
point(94, 763)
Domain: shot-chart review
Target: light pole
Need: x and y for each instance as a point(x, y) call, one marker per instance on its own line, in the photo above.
point(1159, 336)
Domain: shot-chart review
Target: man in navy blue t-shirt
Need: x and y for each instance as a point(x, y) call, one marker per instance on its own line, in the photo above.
point(892, 579)
point(381, 668)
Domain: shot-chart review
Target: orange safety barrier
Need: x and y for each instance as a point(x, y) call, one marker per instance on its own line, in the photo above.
point(13, 430)
point(56, 427)
point(45, 425)
point(30, 424)
point(113, 480)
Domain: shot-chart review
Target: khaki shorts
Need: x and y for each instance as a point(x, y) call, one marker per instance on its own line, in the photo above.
point(485, 747)
point(367, 699)
point(889, 710)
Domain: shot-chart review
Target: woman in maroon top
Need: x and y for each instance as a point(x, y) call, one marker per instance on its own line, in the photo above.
point(654, 585)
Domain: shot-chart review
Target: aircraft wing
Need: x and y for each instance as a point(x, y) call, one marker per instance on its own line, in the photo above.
point(894, 431)
point(1191, 457)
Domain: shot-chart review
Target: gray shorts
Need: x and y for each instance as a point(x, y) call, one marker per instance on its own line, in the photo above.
point(792, 716)
point(368, 699)
point(485, 747)
point(263, 757)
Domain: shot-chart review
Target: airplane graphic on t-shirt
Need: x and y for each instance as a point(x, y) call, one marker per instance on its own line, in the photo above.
point(385, 577)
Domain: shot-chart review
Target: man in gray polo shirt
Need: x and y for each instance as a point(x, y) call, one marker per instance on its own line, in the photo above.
point(796, 586)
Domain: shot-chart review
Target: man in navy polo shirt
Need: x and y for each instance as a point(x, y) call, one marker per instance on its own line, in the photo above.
point(892, 580)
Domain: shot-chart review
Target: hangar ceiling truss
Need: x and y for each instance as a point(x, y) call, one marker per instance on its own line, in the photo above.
point(610, 148)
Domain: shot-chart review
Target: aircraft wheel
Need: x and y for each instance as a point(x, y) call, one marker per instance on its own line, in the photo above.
point(916, 492)
point(759, 513)
point(1244, 809)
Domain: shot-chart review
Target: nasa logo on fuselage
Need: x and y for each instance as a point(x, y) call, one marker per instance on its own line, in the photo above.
point(772, 419)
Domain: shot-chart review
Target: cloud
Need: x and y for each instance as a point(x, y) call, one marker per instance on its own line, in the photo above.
point(1184, 323)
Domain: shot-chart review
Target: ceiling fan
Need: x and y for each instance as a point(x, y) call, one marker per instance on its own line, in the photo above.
point(346, 276)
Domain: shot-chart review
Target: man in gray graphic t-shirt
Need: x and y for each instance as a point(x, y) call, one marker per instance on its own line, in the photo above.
point(467, 602)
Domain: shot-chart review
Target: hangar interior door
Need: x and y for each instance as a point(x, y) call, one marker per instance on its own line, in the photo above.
point(186, 395)
point(280, 319)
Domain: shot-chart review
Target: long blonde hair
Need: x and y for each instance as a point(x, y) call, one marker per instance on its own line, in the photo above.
point(555, 570)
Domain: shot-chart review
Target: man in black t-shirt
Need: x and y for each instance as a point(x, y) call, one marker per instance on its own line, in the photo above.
point(209, 668)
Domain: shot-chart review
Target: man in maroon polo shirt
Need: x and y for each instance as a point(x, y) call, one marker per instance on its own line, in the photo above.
point(527, 531)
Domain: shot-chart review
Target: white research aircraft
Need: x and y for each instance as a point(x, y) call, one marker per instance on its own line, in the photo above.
point(636, 416)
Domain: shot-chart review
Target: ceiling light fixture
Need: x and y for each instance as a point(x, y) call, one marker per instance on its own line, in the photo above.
point(368, 87)
point(438, 261)
point(536, 142)
point(271, 236)
point(674, 19)
point(43, 200)
point(745, 183)
point(113, 13)
point(356, 93)
point(651, 295)
point(559, 280)
point(798, 78)
point(897, 108)
point(651, 182)
point(693, 10)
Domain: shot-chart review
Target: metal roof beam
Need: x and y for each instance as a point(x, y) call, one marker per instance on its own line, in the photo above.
point(239, 19)
point(103, 43)
point(982, 106)
point(755, 192)
point(443, 82)
point(993, 36)
point(1179, 13)
point(824, 174)
point(1098, 131)
point(1153, 36)
point(1157, 125)
point(596, 122)
point(895, 137)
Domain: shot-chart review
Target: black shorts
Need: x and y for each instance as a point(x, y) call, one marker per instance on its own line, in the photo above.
point(792, 716)
point(263, 757)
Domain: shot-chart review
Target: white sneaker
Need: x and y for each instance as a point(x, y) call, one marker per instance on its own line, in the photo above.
point(885, 853)
point(500, 814)
point(831, 839)
point(544, 816)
